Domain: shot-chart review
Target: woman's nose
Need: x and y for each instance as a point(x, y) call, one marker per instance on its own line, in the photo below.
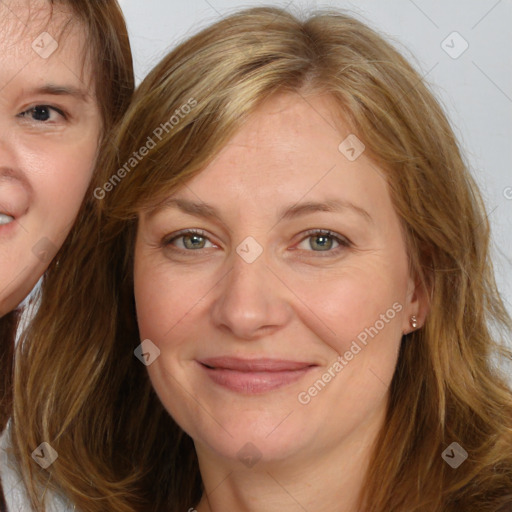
point(250, 301)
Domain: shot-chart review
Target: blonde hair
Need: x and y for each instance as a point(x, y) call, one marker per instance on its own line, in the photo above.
point(79, 386)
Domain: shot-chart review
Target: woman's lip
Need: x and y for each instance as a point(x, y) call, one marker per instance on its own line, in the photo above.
point(253, 376)
point(14, 199)
point(254, 365)
point(12, 211)
point(16, 195)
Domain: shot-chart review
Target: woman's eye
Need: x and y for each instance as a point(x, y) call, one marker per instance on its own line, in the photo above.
point(317, 241)
point(322, 241)
point(42, 113)
point(190, 241)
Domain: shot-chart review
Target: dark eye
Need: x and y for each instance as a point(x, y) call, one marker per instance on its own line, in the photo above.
point(42, 113)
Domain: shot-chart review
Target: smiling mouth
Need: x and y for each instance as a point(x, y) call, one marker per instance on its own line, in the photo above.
point(8, 225)
point(15, 199)
point(254, 376)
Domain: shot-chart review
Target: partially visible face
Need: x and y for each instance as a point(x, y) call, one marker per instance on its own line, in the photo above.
point(50, 126)
point(276, 287)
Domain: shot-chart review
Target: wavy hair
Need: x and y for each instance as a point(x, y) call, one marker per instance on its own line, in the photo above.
point(79, 386)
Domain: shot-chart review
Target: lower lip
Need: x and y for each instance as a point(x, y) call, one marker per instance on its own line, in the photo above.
point(8, 229)
point(254, 382)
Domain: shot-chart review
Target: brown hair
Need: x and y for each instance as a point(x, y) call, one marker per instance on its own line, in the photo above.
point(118, 447)
point(110, 53)
point(8, 326)
point(108, 48)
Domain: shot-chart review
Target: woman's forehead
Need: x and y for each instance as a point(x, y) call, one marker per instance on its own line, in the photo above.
point(43, 43)
point(289, 152)
point(24, 17)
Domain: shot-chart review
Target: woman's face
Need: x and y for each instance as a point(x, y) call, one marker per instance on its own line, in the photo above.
point(279, 318)
point(49, 131)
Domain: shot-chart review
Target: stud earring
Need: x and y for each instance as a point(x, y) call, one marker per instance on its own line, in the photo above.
point(414, 322)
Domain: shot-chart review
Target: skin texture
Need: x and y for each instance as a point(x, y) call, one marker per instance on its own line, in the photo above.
point(305, 299)
point(48, 141)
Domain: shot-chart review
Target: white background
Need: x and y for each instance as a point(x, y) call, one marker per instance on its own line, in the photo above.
point(475, 88)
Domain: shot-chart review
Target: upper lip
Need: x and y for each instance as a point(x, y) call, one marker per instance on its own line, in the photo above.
point(254, 365)
point(14, 211)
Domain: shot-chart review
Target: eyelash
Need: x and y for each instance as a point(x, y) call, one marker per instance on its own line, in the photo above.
point(343, 242)
point(31, 109)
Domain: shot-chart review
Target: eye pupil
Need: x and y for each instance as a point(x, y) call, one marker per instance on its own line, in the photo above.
point(322, 242)
point(41, 113)
point(193, 241)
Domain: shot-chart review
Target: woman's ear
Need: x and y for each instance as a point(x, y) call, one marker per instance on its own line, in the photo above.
point(417, 304)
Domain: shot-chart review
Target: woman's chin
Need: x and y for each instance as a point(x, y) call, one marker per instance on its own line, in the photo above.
point(249, 447)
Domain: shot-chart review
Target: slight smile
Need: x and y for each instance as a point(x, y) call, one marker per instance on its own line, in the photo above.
point(253, 376)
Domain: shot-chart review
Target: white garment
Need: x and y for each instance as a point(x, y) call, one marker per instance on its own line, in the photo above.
point(14, 488)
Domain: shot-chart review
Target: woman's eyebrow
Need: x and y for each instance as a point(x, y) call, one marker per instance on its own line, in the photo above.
point(329, 205)
point(200, 209)
point(60, 90)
